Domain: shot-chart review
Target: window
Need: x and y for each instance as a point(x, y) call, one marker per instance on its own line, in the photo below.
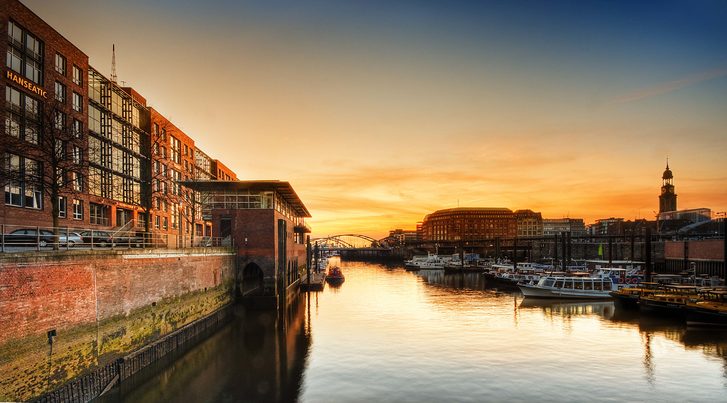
point(77, 128)
point(77, 75)
point(60, 120)
point(22, 187)
point(98, 214)
point(61, 64)
point(77, 209)
point(77, 102)
point(60, 92)
point(24, 53)
point(77, 181)
point(95, 86)
point(157, 222)
point(176, 151)
point(175, 216)
point(176, 187)
point(62, 205)
point(77, 155)
point(94, 119)
point(22, 115)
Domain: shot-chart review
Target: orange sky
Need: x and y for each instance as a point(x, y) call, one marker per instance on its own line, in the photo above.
point(380, 115)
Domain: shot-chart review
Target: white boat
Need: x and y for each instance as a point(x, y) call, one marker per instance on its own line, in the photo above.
point(429, 262)
point(568, 286)
point(435, 262)
point(415, 261)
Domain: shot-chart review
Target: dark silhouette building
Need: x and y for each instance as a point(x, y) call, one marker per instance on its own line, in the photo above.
point(667, 198)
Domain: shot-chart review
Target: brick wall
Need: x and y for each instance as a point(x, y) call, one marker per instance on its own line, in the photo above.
point(705, 249)
point(102, 305)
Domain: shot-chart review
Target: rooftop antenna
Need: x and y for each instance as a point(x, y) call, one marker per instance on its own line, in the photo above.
point(113, 63)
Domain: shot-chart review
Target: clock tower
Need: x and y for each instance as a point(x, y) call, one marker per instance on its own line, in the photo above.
point(667, 198)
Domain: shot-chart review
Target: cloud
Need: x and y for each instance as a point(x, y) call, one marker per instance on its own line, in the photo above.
point(669, 86)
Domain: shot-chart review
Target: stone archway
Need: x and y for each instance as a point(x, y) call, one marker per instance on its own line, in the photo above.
point(251, 282)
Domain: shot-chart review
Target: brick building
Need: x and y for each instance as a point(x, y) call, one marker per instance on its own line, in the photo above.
point(176, 209)
point(697, 257)
point(45, 86)
point(553, 226)
point(222, 172)
point(529, 223)
point(469, 224)
point(265, 221)
point(109, 177)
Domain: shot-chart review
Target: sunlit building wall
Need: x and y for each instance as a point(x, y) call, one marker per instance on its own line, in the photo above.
point(469, 224)
point(529, 223)
point(45, 87)
point(553, 226)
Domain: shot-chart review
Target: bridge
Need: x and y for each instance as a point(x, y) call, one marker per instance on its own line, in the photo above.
point(348, 241)
point(355, 246)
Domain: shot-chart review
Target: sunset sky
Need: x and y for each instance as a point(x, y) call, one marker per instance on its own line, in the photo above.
point(379, 112)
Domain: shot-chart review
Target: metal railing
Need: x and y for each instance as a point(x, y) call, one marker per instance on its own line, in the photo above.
point(99, 380)
point(17, 238)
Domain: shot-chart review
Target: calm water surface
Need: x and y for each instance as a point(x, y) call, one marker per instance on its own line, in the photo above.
point(387, 335)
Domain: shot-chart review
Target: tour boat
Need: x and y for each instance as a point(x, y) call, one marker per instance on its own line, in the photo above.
point(570, 286)
point(429, 262)
point(629, 297)
point(671, 301)
point(508, 275)
point(709, 310)
point(335, 276)
point(413, 263)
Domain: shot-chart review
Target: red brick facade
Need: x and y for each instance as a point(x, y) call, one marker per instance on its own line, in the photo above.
point(53, 43)
point(222, 172)
point(59, 292)
point(705, 249)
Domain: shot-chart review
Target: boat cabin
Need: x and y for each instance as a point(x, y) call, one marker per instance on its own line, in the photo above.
point(577, 283)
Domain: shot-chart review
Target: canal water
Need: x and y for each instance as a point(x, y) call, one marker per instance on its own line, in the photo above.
point(387, 335)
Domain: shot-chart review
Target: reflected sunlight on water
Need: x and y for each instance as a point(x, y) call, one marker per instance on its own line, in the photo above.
point(391, 335)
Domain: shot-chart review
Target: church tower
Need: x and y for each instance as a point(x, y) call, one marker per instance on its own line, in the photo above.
point(667, 198)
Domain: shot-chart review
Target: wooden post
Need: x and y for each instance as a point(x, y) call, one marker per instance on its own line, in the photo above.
point(563, 250)
point(610, 251)
point(647, 241)
point(724, 246)
point(308, 257)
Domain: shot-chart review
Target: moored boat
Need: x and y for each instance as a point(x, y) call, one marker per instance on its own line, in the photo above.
point(335, 276)
point(629, 297)
point(709, 310)
point(670, 301)
point(577, 287)
point(414, 262)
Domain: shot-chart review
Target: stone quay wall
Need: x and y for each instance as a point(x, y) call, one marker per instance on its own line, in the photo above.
point(101, 305)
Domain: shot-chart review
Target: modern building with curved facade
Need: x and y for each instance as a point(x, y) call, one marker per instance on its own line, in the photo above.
point(469, 223)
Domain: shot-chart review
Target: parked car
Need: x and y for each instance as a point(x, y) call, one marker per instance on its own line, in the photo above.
point(107, 238)
point(43, 237)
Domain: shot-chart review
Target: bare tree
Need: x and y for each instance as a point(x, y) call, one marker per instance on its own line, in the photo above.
point(43, 156)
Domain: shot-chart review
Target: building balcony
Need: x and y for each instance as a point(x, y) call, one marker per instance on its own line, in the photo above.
point(302, 228)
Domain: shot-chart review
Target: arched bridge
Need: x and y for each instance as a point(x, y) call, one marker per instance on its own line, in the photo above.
point(350, 241)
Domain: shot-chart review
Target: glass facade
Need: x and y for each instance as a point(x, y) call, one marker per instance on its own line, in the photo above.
point(116, 141)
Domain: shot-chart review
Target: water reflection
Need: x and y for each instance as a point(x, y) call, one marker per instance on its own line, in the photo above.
point(391, 335)
point(260, 356)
